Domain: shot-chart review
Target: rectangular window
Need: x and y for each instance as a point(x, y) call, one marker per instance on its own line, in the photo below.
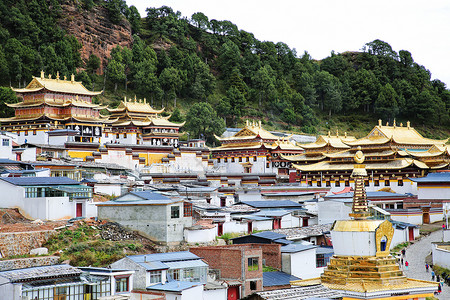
point(187, 209)
point(34, 132)
point(232, 159)
point(225, 159)
point(337, 183)
point(347, 183)
point(155, 276)
point(400, 182)
point(106, 134)
point(253, 285)
point(5, 142)
point(122, 284)
point(376, 183)
point(26, 132)
point(175, 274)
point(125, 135)
point(174, 212)
point(387, 183)
point(321, 260)
point(240, 159)
point(366, 182)
point(117, 135)
point(253, 264)
point(319, 184)
point(247, 159)
point(267, 165)
point(328, 183)
point(218, 160)
point(255, 158)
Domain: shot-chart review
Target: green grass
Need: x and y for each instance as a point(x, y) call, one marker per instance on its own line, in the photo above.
point(83, 246)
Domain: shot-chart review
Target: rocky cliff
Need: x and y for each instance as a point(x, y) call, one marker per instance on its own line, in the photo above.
point(94, 31)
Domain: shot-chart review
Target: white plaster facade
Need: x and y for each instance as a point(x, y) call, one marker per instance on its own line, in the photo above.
point(301, 264)
point(206, 235)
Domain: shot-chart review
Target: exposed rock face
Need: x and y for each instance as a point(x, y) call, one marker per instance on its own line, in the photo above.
point(94, 31)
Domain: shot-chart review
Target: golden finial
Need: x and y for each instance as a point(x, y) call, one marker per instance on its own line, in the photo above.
point(337, 132)
point(76, 97)
point(72, 78)
point(387, 123)
point(359, 156)
point(145, 101)
point(259, 123)
point(408, 124)
point(42, 74)
point(135, 100)
point(345, 134)
point(401, 124)
point(125, 99)
point(49, 76)
point(65, 77)
point(379, 122)
point(246, 123)
point(140, 100)
point(329, 133)
point(57, 75)
point(394, 123)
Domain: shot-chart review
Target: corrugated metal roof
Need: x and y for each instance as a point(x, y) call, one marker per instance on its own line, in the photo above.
point(277, 278)
point(324, 250)
point(43, 272)
point(158, 261)
point(272, 213)
point(270, 235)
point(27, 181)
point(174, 286)
point(274, 203)
point(256, 218)
point(434, 177)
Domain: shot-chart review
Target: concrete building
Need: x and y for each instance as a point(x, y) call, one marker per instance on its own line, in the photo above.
point(159, 217)
point(47, 198)
point(162, 268)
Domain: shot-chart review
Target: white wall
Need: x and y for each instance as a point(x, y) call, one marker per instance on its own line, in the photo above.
point(195, 292)
point(109, 189)
point(39, 138)
point(218, 294)
point(330, 211)
point(29, 154)
point(59, 208)
point(289, 221)
point(441, 257)
point(201, 235)
point(263, 225)
point(234, 226)
point(302, 264)
point(415, 219)
point(353, 243)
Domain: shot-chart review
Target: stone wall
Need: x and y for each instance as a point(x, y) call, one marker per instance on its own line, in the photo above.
point(20, 243)
point(21, 263)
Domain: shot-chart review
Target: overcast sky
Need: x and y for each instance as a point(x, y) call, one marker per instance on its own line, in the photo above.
point(320, 26)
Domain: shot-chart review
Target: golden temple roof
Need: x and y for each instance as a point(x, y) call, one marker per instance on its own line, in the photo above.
point(400, 135)
point(334, 141)
point(371, 287)
point(398, 163)
point(348, 153)
point(56, 85)
point(250, 131)
point(302, 157)
point(135, 106)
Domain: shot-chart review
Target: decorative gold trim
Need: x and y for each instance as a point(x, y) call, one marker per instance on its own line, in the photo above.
point(384, 230)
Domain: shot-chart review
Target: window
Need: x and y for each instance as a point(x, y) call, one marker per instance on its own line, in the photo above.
point(240, 159)
point(218, 160)
point(267, 165)
point(319, 183)
point(225, 159)
point(377, 183)
point(337, 183)
point(400, 182)
point(155, 276)
point(187, 209)
point(328, 183)
point(122, 284)
point(387, 183)
point(26, 132)
point(117, 135)
point(347, 183)
point(253, 264)
point(321, 260)
point(255, 158)
point(253, 285)
point(366, 182)
point(34, 132)
point(125, 135)
point(232, 159)
point(175, 274)
point(174, 212)
point(5, 142)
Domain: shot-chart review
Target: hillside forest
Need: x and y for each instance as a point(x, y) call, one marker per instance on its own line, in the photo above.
point(214, 75)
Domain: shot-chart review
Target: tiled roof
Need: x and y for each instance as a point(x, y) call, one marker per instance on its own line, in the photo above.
point(300, 293)
point(157, 261)
point(303, 232)
point(37, 273)
point(25, 181)
point(434, 177)
point(277, 278)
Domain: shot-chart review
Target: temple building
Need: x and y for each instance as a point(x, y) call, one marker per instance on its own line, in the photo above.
point(362, 267)
point(254, 150)
point(54, 103)
point(393, 155)
point(136, 122)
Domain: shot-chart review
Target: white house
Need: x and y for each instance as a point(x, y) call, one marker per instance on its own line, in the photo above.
point(304, 260)
point(47, 198)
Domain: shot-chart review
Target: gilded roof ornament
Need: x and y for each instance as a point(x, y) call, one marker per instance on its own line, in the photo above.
point(72, 78)
point(57, 75)
point(42, 74)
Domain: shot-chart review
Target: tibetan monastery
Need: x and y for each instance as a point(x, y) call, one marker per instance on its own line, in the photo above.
point(57, 103)
point(393, 155)
point(254, 150)
point(362, 267)
point(139, 123)
point(50, 103)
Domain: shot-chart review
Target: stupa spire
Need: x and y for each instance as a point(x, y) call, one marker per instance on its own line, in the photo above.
point(360, 209)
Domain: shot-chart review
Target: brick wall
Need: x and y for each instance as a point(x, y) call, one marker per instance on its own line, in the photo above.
point(20, 243)
point(227, 260)
point(271, 254)
point(21, 263)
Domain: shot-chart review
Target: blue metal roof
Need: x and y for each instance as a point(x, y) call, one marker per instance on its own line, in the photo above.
point(150, 195)
point(169, 256)
point(324, 250)
point(256, 218)
point(273, 204)
point(434, 177)
point(147, 198)
point(294, 248)
point(283, 241)
point(174, 286)
point(26, 181)
point(272, 213)
point(277, 278)
point(270, 235)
